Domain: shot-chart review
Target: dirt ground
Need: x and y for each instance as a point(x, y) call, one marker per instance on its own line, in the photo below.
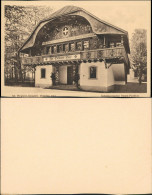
point(24, 91)
point(131, 88)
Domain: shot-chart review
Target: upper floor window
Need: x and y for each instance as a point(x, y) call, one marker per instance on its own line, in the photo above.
point(43, 73)
point(112, 44)
point(86, 44)
point(72, 47)
point(118, 44)
point(59, 48)
point(79, 46)
point(93, 72)
point(66, 48)
point(52, 49)
point(47, 50)
point(55, 49)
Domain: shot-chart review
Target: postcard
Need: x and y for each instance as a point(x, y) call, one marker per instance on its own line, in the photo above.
point(76, 49)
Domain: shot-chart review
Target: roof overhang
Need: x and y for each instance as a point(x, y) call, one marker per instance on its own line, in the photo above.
point(99, 26)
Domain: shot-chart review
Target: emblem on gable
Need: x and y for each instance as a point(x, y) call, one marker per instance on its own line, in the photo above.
point(65, 31)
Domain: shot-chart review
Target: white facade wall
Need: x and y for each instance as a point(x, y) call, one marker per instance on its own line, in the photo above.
point(43, 82)
point(93, 84)
point(110, 77)
point(105, 78)
point(118, 73)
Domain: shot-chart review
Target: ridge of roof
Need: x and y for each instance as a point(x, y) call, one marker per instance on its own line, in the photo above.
point(64, 10)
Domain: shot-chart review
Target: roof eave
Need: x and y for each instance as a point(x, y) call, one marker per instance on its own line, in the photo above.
point(70, 12)
point(48, 19)
point(117, 28)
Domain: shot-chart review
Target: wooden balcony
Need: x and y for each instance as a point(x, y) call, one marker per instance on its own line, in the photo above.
point(99, 54)
point(107, 53)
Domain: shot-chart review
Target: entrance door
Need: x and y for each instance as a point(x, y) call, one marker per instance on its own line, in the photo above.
point(69, 75)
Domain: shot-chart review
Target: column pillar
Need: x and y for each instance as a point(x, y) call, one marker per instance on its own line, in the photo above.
point(81, 45)
point(74, 72)
point(74, 46)
point(122, 40)
point(34, 68)
point(57, 74)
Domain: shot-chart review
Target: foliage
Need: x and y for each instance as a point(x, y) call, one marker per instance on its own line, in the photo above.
point(20, 21)
point(139, 52)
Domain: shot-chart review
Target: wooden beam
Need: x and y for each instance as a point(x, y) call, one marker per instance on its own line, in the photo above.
point(69, 39)
point(122, 40)
point(104, 41)
point(30, 53)
point(60, 63)
point(81, 45)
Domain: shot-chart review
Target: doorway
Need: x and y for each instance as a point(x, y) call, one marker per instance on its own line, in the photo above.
point(70, 75)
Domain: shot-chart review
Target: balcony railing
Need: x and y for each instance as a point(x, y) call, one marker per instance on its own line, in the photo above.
point(107, 53)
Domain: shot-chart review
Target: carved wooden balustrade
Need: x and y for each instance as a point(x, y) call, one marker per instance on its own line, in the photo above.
point(107, 53)
point(99, 54)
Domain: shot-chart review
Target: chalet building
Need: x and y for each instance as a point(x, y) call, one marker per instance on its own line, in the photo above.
point(75, 48)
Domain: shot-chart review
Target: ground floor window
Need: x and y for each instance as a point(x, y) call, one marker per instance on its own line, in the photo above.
point(93, 72)
point(43, 73)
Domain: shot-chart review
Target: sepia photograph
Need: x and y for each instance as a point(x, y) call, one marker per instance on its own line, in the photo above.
point(65, 68)
point(76, 49)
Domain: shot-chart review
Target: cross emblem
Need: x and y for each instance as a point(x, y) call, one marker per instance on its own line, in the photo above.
point(65, 30)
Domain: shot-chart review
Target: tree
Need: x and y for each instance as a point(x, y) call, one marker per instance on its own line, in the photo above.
point(139, 52)
point(20, 21)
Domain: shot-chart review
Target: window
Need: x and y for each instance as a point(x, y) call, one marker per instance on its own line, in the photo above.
point(86, 44)
point(43, 71)
point(93, 71)
point(52, 49)
point(65, 48)
point(44, 50)
point(55, 49)
point(59, 48)
point(79, 46)
point(47, 50)
point(72, 47)
point(112, 44)
point(118, 45)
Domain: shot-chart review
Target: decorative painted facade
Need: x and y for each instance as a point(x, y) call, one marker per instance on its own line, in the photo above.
point(73, 47)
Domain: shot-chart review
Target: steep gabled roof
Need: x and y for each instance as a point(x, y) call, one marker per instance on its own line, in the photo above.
point(69, 10)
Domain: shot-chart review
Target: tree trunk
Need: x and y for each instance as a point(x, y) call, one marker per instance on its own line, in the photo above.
point(140, 75)
point(19, 68)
